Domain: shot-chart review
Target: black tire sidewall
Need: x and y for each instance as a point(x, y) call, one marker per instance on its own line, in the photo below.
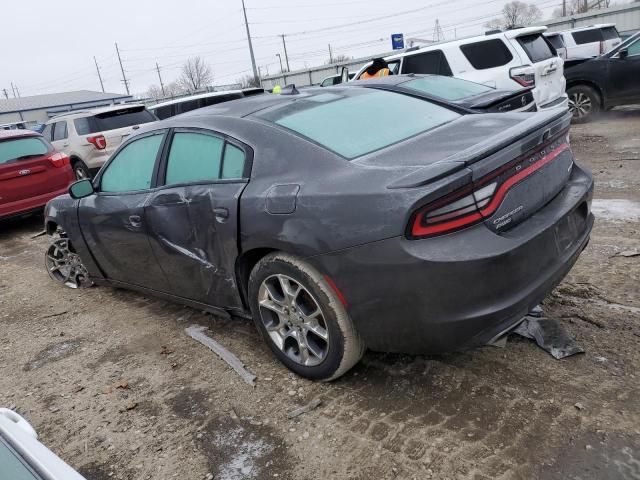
point(595, 102)
point(272, 266)
point(79, 164)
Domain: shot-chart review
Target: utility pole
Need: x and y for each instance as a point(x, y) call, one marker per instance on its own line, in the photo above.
point(330, 55)
point(6, 95)
point(124, 79)
point(17, 91)
point(13, 89)
point(99, 76)
point(286, 57)
point(160, 78)
point(253, 59)
point(438, 34)
point(280, 58)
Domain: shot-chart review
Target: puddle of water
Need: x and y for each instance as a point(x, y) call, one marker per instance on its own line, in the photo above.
point(617, 210)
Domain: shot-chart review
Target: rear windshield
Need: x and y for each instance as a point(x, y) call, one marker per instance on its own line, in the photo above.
point(359, 121)
point(113, 120)
point(536, 47)
point(487, 54)
point(22, 148)
point(556, 41)
point(448, 88)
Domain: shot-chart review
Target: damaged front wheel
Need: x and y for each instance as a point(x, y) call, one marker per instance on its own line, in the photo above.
point(65, 266)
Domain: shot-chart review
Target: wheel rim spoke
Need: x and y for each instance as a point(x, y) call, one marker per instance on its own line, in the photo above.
point(65, 266)
point(293, 319)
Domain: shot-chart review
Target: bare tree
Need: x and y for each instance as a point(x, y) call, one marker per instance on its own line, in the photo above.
point(516, 14)
point(195, 74)
point(574, 7)
point(338, 59)
point(172, 89)
point(248, 81)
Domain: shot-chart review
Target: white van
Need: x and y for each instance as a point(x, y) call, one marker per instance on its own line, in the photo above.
point(590, 41)
point(504, 60)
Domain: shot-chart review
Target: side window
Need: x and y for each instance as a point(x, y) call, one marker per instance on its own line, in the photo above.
point(132, 167)
point(587, 36)
point(610, 33)
point(433, 62)
point(82, 126)
point(634, 48)
point(233, 163)
point(60, 130)
point(194, 157)
point(487, 54)
point(46, 133)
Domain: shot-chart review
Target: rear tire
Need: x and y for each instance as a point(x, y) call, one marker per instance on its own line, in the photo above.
point(584, 103)
point(80, 170)
point(285, 294)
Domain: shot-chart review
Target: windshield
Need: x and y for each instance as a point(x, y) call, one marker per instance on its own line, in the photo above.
point(356, 121)
point(26, 147)
point(448, 88)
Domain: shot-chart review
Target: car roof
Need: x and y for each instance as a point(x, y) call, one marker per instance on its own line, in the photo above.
point(244, 106)
point(6, 134)
point(94, 111)
point(590, 27)
point(517, 32)
point(201, 95)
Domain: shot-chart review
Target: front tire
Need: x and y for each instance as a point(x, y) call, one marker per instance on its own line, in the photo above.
point(301, 318)
point(584, 103)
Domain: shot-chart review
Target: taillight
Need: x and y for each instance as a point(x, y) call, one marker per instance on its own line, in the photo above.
point(480, 200)
point(525, 76)
point(98, 141)
point(59, 160)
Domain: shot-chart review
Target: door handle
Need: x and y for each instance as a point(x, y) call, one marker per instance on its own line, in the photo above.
point(221, 214)
point(135, 220)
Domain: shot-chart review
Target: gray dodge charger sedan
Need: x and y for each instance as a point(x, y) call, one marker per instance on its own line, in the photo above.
point(339, 219)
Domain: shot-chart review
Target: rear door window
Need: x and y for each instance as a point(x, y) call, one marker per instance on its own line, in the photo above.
point(433, 62)
point(487, 54)
point(587, 36)
point(132, 168)
point(353, 122)
point(22, 148)
point(536, 47)
point(194, 157)
point(48, 130)
point(60, 131)
point(82, 126)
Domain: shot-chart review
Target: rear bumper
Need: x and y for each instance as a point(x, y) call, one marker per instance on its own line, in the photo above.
point(461, 290)
point(560, 103)
point(28, 205)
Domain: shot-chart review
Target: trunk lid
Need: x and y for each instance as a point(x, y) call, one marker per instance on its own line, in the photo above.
point(26, 169)
point(502, 100)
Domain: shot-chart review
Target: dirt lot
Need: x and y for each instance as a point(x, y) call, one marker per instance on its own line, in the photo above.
point(66, 355)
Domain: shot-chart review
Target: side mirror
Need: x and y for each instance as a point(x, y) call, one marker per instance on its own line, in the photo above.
point(344, 75)
point(624, 53)
point(81, 189)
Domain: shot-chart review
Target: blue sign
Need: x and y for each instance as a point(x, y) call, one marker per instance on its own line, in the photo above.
point(397, 41)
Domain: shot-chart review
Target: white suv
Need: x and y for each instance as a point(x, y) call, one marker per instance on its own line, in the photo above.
point(590, 41)
point(505, 60)
point(89, 137)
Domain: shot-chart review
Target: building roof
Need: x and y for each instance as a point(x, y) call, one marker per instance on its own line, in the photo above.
point(51, 100)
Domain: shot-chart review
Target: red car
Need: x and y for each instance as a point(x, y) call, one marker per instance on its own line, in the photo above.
point(32, 172)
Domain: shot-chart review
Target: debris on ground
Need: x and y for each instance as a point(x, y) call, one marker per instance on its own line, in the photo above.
point(197, 333)
point(42, 233)
point(129, 406)
point(550, 335)
point(57, 314)
point(166, 350)
point(122, 384)
point(627, 253)
point(315, 403)
point(579, 406)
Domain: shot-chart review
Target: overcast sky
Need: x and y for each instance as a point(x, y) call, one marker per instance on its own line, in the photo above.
point(49, 46)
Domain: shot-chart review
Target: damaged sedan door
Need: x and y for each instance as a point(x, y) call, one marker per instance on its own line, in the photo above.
point(193, 218)
point(112, 220)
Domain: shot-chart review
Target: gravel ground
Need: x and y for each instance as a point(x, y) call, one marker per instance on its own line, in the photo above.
point(113, 385)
